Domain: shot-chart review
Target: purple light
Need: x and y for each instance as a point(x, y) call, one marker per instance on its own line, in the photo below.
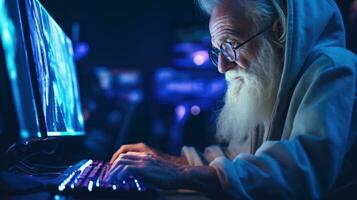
point(186, 47)
point(195, 110)
point(164, 73)
point(200, 57)
point(104, 81)
point(180, 112)
point(135, 96)
point(81, 50)
point(217, 86)
point(180, 87)
point(128, 78)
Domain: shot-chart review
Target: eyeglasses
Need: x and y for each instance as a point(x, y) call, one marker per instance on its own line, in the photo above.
point(228, 51)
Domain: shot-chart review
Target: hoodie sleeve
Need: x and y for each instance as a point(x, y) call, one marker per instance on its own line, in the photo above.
point(196, 159)
point(306, 164)
point(192, 156)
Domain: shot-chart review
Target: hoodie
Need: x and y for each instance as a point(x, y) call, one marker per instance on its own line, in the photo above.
point(308, 150)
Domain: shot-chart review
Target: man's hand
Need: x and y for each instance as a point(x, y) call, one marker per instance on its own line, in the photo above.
point(165, 171)
point(143, 148)
point(164, 174)
point(150, 167)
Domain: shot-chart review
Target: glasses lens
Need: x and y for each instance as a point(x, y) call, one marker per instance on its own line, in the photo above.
point(213, 55)
point(228, 52)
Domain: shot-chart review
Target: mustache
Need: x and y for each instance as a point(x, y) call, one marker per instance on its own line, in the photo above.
point(237, 74)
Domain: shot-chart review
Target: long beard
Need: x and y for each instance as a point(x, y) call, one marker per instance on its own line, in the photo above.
point(249, 101)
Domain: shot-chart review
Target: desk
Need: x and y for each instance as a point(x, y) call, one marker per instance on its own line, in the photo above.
point(21, 182)
point(165, 195)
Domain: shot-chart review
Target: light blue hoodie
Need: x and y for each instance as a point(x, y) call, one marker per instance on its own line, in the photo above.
point(315, 120)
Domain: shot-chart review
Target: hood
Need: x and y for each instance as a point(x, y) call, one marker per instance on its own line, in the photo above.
point(311, 26)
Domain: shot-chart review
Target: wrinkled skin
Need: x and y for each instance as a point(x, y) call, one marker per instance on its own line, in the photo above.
point(142, 161)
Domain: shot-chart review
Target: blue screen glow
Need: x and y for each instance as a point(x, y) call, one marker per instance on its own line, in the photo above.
point(12, 38)
point(56, 73)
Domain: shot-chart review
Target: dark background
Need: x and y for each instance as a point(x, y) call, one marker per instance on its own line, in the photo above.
point(135, 35)
point(139, 36)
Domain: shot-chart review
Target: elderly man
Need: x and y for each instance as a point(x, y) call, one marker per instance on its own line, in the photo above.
point(290, 110)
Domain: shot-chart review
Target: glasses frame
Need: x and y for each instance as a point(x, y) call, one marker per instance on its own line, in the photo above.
point(214, 53)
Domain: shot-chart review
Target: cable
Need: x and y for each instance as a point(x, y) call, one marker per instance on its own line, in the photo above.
point(42, 169)
point(33, 172)
point(46, 166)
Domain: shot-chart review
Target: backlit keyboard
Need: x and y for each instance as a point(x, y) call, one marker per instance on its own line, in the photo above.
point(86, 178)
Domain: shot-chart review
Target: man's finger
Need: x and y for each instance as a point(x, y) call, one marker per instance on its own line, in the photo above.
point(122, 172)
point(109, 175)
point(132, 153)
point(135, 153)
point(120, 163)
point(129, 156)
point(139, 147)
point(127, 162)
point(122, 149)
point(128, 171)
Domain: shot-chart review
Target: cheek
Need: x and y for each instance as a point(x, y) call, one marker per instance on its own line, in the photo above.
point(247, 56)
point(243, 62)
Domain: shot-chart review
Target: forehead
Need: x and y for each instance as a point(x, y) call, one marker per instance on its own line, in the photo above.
point(228, 18)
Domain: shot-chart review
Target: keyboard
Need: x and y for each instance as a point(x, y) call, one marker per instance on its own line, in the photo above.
point(85, 179)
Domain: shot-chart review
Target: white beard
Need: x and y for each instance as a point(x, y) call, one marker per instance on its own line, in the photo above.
point(249, 101)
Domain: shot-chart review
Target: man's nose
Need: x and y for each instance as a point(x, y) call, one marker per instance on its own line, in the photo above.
point(224, 65)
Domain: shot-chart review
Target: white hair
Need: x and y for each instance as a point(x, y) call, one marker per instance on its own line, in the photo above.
point(264, 13)
point(249, 104)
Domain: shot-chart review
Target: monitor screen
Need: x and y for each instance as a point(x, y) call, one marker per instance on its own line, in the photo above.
point(18, 113)
point(55, 73)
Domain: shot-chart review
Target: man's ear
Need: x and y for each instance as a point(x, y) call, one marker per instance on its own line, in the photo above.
point(277, 32)
point(277, 27)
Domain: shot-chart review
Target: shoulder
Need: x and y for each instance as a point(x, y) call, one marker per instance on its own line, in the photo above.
point(331, 60)
point(335, 57)
point(327, 72)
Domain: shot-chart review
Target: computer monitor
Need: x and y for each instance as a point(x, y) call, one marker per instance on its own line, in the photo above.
point(39, 94)
point(54, 73)
point(18, 113)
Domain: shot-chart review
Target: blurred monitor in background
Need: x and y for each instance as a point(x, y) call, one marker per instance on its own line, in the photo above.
point(186, 99)
point(110, 108)
point(190, 47)
point(186, 91)
point(201, 87)
point(122, 84)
